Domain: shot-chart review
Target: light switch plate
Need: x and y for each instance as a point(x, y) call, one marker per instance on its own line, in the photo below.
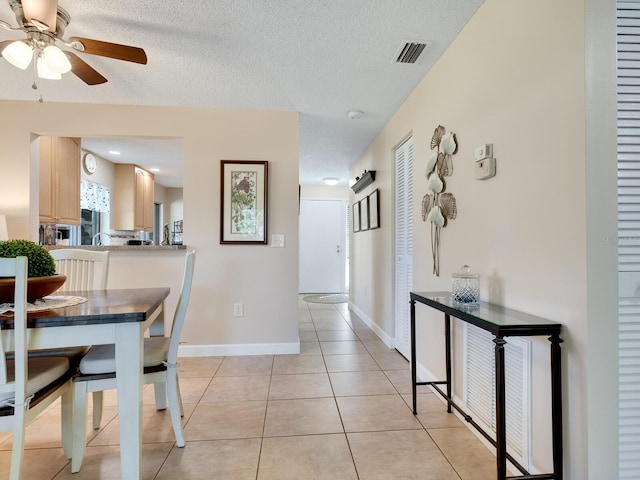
point(277, 241)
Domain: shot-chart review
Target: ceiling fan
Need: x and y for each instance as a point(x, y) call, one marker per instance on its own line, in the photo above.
point(44, 22)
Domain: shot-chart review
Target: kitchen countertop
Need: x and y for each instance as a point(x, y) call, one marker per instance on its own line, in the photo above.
point(119, 248)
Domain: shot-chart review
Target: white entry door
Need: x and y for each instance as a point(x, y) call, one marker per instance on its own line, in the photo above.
point(321, 249)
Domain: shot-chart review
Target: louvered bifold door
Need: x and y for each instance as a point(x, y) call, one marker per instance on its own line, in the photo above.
point(403, 245)
point(628, 36)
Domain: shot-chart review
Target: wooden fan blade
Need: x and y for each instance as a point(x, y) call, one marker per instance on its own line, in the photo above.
point(112, 50)
point(84, 71)
point(45, 11)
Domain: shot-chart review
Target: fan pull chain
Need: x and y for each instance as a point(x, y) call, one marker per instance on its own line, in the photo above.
point(34, 86)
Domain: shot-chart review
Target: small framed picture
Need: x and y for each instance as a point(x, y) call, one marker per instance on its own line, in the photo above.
point(356, 217)
point(364, 214)
point(243, 202)
point(374, 210)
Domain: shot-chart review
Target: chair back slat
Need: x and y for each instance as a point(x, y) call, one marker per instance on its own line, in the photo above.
point(80, 268)
point(17, 268)
point(181, 308)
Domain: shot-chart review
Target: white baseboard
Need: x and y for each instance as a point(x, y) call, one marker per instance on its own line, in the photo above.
point(424, 375)
point(388, 341)
point(238, 349)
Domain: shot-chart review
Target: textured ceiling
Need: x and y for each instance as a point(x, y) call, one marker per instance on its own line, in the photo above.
point(320, 58)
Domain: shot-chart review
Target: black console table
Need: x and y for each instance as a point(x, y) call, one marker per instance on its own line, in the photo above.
point(501, 322)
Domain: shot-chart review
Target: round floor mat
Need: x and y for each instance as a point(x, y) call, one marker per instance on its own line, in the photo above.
point(327, 298)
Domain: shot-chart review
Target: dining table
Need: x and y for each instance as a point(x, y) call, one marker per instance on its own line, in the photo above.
point(120, 317)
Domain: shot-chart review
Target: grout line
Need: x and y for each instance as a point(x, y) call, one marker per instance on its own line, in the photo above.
point(335, 400)
point(264, 422)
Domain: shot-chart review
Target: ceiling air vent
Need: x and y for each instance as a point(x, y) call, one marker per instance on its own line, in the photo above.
point(410, 52)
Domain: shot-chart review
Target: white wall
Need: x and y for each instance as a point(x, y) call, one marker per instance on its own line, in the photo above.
point(324, 192)
point(173, 206)
point(105, 173)
point(528, 230)
point(224, 274)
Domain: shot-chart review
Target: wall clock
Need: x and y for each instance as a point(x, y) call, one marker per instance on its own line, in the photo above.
point(90, 163)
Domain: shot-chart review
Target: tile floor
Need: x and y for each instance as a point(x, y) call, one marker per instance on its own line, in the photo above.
point(339, 410)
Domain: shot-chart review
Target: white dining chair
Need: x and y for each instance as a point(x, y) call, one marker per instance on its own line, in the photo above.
point(29, 385)
point(97, 372)
point(85, 269)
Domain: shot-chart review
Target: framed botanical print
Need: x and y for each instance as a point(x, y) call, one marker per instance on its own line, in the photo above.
point(364, 214)
point(356, 217)
point(374, 209)
point(243, 202)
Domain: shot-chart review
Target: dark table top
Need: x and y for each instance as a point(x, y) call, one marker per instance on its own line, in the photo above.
point(102, 306)
point(500, 321)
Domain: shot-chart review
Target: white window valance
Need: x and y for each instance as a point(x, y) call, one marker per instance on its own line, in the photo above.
point(94, 196)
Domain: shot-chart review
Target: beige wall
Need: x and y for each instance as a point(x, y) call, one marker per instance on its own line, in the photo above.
point(224, 274)
point(514, 77)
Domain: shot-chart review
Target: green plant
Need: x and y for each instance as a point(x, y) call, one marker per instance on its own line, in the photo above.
point(41, 263)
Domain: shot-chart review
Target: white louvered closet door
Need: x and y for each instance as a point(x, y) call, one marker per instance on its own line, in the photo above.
point(628, 33)
point(403, 245)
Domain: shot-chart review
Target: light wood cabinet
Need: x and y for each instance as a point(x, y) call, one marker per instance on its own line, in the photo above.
point(133, 199)
point(59, 180)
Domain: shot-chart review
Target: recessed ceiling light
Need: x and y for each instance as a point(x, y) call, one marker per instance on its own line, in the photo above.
point(154, 169)
point(331, 180)
point(114, 152)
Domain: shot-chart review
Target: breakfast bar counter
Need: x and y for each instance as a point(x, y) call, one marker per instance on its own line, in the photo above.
point(120, 248)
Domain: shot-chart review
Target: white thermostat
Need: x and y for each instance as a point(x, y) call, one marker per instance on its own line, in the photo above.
point(485, 168)
point(482, 152)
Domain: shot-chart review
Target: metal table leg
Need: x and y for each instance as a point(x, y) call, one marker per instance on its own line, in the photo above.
point(414, 387)
point(501, 418)
point(447, 334)
point(556, 405)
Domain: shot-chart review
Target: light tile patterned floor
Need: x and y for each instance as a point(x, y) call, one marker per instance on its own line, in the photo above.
point(338, 411)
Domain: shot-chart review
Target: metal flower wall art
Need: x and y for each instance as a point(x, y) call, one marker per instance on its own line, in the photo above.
point(438, 206)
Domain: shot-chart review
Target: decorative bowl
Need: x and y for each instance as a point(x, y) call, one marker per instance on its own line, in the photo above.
point(37, 287)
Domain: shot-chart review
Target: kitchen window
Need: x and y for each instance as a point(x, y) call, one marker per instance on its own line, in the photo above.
point(95, 208)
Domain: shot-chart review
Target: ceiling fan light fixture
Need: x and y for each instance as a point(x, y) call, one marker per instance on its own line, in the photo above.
point(44, 71)
point(56, 60)
point(18, 54)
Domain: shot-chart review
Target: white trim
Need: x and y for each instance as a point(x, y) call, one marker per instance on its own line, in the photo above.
point(386, 339)
point(239, 349)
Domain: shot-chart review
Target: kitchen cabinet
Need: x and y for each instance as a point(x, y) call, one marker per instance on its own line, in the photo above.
point(59, 180)
point(133, 199)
